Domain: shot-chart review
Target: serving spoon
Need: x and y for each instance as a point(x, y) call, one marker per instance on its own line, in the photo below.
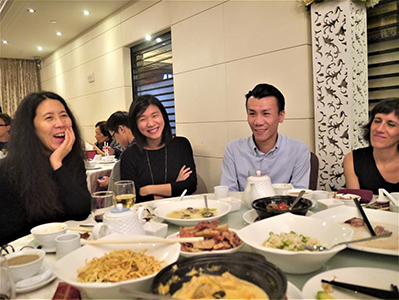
point(297, 199)
point(207, 213)
point(321, 248)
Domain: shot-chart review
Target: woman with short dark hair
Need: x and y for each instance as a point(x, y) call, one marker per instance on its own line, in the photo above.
point(43, 177)
point(377, 166)
point(160, 165)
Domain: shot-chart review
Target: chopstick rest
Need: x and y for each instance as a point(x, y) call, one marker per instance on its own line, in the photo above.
point(382, 294)
point(143, 241)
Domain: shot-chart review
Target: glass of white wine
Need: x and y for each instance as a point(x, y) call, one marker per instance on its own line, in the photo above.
point(125, 193)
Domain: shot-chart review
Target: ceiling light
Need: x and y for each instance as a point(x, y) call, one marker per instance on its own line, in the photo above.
point(159, 40)
point(85, 12)
point(31, 10)
point(5, 42)
point(58, 33)
point(39, 48)
point(53, 21)
point(148, 37)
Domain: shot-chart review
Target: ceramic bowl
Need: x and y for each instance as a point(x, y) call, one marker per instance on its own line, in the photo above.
point(45, 234)
point(66, 268)
point(295, 192)
point(163, 211)
point(282, 188)
point(393, 207)
point(244, 265)
point(260, 206)
point(26, 263)
point(327, 232)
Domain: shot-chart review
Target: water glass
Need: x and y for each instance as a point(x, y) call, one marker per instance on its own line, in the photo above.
point(7, 286)
point(101, 202)
point(125, 193)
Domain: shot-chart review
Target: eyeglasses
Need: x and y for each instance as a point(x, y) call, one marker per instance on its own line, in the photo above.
point(3, 125)
point(112, 136)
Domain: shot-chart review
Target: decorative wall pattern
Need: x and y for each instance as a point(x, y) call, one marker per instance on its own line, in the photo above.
point(339, 45)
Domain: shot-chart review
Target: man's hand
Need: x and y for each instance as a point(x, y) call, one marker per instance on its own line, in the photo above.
point(111, 151)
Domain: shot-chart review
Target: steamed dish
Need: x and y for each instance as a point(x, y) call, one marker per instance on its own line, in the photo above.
point(226, 286)
point(290, 241)
point(119, 265)
point(191, 213)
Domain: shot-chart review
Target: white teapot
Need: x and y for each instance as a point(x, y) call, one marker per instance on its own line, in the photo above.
point(258, 186)
point(124, 220)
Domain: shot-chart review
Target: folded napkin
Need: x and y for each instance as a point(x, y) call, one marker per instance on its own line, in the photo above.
point(366, 195)
point(65, 291)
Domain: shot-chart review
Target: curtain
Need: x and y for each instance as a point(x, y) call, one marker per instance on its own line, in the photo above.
point(18, 78)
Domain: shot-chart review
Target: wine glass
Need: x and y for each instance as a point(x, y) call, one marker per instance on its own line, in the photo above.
point(125, 193)
point(101, 202)
point(7, 286)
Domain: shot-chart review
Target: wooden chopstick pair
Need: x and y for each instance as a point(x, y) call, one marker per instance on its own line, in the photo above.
point(143, 241)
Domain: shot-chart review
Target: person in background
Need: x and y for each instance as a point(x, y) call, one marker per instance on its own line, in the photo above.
point(159, 164)
point(105, 141)
point(43, 177)
point(118, 127)
point(377, 166)
point(286, 160)
point(5, 125)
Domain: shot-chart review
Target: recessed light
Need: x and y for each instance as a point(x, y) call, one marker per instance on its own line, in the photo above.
point(39, 48)
point(53, 21)
point(31, 10)
point(85, 12)
point(5, 42)
point(159, 40)
point(148, 37)
point(58, 33)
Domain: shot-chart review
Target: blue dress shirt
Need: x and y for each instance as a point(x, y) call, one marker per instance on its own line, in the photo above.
point(287, 162)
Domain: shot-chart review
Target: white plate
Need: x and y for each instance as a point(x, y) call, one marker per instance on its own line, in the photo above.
point(342, 213)
point(191, 254)
point(370, 277)
point(36, 245)
point(293, 292)
point(38, 285)
point(164, 210)
point(250, 215)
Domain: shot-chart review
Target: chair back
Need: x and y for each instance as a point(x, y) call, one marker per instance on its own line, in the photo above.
point(314, 171)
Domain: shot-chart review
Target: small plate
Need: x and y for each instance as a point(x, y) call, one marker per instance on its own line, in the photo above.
point(36, 245)
point(250, 215)
point(40, 284)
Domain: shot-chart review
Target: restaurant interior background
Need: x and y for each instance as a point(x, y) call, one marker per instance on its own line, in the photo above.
point(221, 50)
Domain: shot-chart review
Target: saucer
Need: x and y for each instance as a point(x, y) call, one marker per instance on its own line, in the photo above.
point(36, 245)
point(40, 284)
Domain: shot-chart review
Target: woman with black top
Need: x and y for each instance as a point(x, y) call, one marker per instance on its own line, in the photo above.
point(160, 165)
point(377, 166)
point(43, 177)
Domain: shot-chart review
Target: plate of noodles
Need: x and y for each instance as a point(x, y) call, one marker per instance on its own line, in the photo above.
point(86, 267)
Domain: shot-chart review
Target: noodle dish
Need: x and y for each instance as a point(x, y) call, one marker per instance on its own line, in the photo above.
point(99, 271)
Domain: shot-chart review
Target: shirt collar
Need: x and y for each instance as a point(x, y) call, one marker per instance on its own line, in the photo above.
point(272, 151)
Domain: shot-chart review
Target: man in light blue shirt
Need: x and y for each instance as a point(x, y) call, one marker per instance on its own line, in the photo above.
point(286, 160)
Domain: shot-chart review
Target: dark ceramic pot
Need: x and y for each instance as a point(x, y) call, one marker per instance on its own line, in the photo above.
point(260, 205)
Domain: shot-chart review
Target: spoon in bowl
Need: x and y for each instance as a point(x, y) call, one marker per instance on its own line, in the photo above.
point(207, 213)
point(297, 199)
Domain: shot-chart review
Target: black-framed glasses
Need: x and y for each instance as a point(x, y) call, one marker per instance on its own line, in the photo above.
point(3, 125)
point(112, 135)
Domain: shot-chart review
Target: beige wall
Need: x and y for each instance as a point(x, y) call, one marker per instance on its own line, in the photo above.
point(221, 50)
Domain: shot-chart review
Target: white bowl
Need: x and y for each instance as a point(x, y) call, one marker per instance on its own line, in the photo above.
point(282, 188)
point(328, 233)
point(66, 268)
point(45, 234)
point(156, 229)
point(331, 202)
point(25, 270)
point(393, 207)
point(295, 192)
point(162, 211)
point(191, 254)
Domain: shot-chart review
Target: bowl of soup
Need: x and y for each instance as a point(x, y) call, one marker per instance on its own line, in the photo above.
point(26, 263)
point(239, 275)
point(190, 212)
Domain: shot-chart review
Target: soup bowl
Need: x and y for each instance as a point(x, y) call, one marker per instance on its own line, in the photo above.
point(246, 266)
point(45, 234)
point(26, 263)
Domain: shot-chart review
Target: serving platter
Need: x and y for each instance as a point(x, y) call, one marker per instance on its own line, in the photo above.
point(390, 220)
point(370, 277)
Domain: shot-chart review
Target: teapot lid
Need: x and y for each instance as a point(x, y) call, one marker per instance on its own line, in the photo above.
point(119, 211)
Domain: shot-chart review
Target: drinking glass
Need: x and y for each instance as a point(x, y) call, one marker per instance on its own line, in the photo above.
point(7, 287)
point(101, 202)
point(125, 193)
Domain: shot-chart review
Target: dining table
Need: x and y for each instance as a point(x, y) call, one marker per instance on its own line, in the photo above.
point(102, 168)
point(347, 258)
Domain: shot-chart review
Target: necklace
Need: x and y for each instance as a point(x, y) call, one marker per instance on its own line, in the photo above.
point(166, 165)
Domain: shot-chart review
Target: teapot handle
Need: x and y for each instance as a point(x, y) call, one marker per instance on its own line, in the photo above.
point(140, 212)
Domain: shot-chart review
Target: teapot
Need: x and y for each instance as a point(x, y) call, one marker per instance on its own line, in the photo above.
point(258, 186)
point(125, 221)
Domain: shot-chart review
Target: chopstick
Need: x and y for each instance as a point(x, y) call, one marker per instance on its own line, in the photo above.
point(365, 219)
point(87, 229)
point(144, 241)
point(382, 294)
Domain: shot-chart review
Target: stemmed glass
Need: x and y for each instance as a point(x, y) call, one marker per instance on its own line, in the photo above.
point(125, 193)
point(7, 287)
point(101, 202)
